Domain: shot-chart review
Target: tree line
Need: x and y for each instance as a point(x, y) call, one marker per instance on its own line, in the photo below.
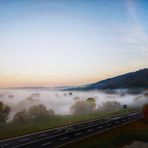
point(39, 112)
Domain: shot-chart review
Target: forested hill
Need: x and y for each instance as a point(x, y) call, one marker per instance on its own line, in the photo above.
point(137, 79)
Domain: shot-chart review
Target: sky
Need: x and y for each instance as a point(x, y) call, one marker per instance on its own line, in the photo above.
point(70, 42)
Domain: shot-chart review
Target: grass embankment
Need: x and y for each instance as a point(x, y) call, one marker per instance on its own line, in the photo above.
point(16, 129)
point(115, 138)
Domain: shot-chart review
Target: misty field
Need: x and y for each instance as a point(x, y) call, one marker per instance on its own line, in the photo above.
point(61, 101)
point(30, 110)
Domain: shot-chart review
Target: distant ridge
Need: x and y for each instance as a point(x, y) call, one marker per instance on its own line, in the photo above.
point(137, 79)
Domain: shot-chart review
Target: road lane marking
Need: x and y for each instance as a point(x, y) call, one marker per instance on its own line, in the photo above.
point(48, 143)
point(56, 131)
point(64, 138)
point(100, 127)
point(77, 134)
point(124, 120)
point(90, 130)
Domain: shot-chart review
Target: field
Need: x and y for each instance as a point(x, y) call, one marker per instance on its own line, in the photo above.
point(135, 131)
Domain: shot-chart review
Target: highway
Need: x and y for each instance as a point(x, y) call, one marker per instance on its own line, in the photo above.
point(63, 135)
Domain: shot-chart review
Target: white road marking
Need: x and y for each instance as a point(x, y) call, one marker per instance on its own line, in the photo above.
point(90, 130)
point(64, 138)
point(78, 134)
point(124, 120)
point(56, 132)
point(100, 127)
point(45, 144)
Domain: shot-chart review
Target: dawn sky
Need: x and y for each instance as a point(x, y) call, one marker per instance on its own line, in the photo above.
point(71, 42)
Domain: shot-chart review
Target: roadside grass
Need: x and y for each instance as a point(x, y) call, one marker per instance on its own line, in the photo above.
point(16, 129)
point(115, 138)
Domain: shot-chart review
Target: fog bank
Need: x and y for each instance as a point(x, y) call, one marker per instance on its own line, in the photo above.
point(61, 101)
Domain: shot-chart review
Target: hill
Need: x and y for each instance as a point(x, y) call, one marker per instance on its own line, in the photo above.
point(137, 79)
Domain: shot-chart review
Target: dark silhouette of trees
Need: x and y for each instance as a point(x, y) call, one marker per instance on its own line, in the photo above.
point(40, 112)
point(4, 112)
point(35, 112)
point(21, 116)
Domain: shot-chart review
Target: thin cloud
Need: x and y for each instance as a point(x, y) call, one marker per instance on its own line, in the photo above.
point(134, 36)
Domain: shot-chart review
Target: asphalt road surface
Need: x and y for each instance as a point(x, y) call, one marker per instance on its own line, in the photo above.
point(62, 135)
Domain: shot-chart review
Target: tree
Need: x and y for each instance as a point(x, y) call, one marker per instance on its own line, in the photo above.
point(82, 107)
point(39, 112)
point(90, 104)
point(78, 108)
point(76, 98)
point(4, 112)
point(21, 116)
point(70, 93)
point(110, 106)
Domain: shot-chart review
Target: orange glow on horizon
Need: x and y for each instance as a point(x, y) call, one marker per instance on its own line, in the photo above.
point(38, 81)
point(12, 80)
